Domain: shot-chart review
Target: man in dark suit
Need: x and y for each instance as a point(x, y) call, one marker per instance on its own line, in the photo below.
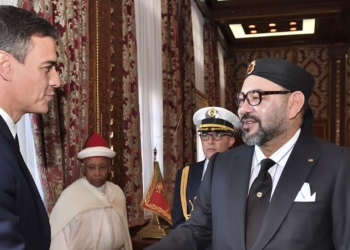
point(27, 78)
point(307, 186)
point(217, 127)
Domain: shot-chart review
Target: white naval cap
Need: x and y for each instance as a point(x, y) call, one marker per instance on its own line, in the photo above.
point(216, 119)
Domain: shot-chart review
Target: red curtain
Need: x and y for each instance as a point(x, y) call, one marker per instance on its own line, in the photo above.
point(229, 87)
point(131, 117)
point(211, 65)
point(178, 89)
point(60, 134)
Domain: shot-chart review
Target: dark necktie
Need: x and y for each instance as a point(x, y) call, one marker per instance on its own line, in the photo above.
point(16, 138)
point(258, 201)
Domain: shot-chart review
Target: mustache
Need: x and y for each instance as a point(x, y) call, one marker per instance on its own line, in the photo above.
point(249, 116)
point(243, 117)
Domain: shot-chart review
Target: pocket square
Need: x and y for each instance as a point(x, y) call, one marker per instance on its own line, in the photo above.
point(304, 194)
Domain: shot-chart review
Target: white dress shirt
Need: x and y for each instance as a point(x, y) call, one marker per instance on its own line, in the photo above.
point(10, 124)
point(280, 157)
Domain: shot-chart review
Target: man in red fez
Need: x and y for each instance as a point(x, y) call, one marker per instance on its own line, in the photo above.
point(91, 212)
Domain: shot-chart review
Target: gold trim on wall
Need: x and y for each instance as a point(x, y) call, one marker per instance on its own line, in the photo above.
point(98, 129)
point(106, 90)
point(337, 103)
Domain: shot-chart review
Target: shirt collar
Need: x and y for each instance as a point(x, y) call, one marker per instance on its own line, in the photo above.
point(279, 155)
point(205, 167)
point(10, 124)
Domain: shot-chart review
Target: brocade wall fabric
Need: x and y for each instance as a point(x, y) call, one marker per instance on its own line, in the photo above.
point(132, 151)
point(211, 65)
point(178, 90)
point(229, 92)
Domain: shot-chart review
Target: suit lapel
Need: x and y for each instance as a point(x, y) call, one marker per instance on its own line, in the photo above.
point(194, 181)
point(240, 168)
point(196, 171)
point(7, 133)
point(293, 177)
point(23, 167)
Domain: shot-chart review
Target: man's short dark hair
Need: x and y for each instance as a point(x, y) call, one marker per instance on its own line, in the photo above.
point(17, 26)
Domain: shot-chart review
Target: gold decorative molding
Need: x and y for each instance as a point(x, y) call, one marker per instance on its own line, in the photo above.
point(97, 74)
point(337, 103)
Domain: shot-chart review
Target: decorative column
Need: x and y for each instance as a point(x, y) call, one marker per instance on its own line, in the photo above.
point(338, 95)
point(106, 82)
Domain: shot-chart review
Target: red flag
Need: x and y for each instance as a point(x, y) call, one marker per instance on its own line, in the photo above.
point(155, 199)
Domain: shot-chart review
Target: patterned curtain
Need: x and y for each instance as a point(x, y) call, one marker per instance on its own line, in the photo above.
point(189, 100)
point(178, 90)
point(211, 65)
point(132, 151)
point(59, 135)
point(229, 87)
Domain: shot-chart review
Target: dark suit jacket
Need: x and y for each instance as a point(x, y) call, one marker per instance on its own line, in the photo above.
point(194, 180)
point(24, 222)
point(220, 206)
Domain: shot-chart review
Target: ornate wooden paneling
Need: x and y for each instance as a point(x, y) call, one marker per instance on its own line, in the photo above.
point(285, 53)
point(106, 88)
point(316, 61)
point(347, 132)
point(332, 20)
point(338, 95)
point(116, 107)
point(321, 128)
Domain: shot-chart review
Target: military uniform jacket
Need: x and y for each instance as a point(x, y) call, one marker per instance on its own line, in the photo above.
point(192, 175)
point(220, 207)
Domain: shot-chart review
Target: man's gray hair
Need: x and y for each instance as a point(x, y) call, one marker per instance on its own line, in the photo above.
point(17, 26)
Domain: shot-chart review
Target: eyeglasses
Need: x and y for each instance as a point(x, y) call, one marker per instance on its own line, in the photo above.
point(215, 136)
point(254, 96)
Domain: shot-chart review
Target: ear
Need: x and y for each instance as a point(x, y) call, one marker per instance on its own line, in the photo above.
point(232, 141)
point(295, 104)
point(5, 66)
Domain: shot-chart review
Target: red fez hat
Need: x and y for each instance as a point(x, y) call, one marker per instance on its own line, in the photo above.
point(96, 146)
